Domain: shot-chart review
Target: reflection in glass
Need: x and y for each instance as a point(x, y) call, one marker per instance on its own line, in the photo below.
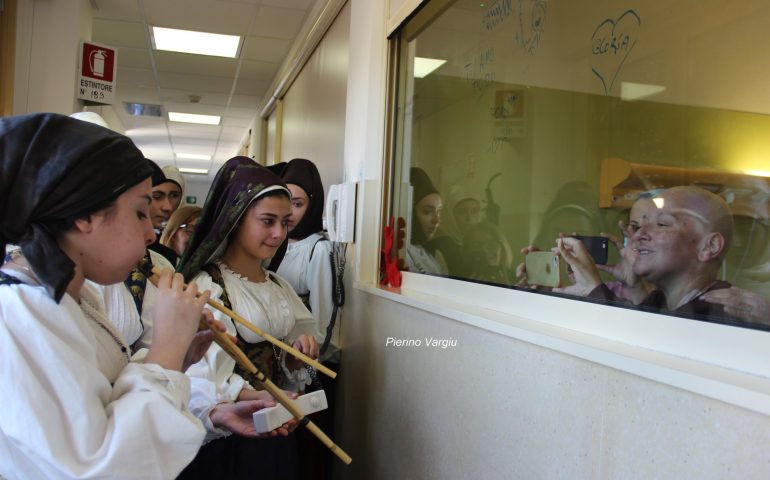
point(576, 109)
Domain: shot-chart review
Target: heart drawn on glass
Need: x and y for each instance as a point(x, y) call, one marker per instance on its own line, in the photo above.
point(611, 43)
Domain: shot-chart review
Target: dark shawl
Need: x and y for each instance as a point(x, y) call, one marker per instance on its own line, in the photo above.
point(158, 176)
point(237, 184)
point(304, 173)
point(53, 170)
point(421, 188)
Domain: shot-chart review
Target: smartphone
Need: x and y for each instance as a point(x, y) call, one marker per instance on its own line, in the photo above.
point(543, 268)
point(598, 247)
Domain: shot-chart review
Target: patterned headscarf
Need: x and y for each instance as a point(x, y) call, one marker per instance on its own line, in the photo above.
point(238, 183)
point(304, 173)
point(54, 170)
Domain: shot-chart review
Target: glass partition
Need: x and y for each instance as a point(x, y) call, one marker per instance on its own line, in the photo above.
point(641, 125)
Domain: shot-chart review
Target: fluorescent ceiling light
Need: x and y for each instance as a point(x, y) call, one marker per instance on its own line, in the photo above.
point(636, 91)
point(194, 118)
point(193, 156)
point(196, 171)
point(758, 173)
point(201, 43)
point(423, 66)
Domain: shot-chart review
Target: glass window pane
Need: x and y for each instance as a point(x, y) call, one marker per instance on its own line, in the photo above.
point(522, 124)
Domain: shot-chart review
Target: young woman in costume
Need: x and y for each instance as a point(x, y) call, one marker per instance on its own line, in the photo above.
point(243, 226)
point(75, 197)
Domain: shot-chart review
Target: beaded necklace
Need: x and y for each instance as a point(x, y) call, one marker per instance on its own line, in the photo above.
point(92, 312)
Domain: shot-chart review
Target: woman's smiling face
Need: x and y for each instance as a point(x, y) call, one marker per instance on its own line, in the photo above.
point(264, 227)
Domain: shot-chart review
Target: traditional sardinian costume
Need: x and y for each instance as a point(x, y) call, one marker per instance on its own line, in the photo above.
point(271, 305)
point(309, 268)
point(130, 304)
point(159, 177)
point(307, 265)
point(73, 403)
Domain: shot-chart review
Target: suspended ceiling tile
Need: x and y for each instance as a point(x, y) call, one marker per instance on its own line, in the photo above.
point(129, 57)
point(117, 33)
point(187, 163)
point(251, 88)
point(136, 77)
point(250, 102)
point(195, 132)
point(200, 15)
point(230, 133)
point(171, 95)
point(189, 64)
point(188, 145)
point(195, 82)
point(236, 122)
point(297, 4)
point(265, 49)
point(116, 9)
point(258, 70)
point(278, 23)
point(237, 112)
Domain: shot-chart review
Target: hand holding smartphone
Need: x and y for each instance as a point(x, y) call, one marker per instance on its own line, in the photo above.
point(598, 247)
point(543, 269)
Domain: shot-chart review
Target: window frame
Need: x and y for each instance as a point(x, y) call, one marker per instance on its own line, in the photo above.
point(724, 362)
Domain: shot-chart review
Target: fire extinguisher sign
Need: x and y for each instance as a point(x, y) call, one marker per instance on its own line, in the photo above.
point(96, 81)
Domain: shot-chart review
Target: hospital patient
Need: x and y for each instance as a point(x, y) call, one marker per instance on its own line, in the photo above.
point(679, 244)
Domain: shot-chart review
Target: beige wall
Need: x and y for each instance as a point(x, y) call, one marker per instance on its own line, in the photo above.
point(314, 106)
point(494, 407)
point(46, 62)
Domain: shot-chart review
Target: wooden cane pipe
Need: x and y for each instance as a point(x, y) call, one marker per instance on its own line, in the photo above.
point(224, 341)
point(289, 349)
point(237, 354)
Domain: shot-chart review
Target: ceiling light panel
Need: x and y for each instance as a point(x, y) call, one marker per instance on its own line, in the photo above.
point(194, 118)
point(199, 43)
point(194, 171)
point(192, 156)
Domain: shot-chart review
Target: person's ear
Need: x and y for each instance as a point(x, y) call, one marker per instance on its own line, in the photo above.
point(711, 247)
point(84, 224)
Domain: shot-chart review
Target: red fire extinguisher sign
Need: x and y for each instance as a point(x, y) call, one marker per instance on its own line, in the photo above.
point(97, 74)
point(98, 62)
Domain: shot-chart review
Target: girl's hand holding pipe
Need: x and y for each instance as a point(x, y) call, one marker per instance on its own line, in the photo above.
point(306, 344)
point(202, 339)
point(176, 316)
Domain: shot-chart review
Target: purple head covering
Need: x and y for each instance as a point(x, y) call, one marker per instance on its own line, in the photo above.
point(237, 184)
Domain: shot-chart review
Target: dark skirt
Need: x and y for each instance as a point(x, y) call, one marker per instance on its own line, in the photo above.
point(237, 457)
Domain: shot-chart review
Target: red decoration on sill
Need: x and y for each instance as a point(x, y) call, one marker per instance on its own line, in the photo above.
point(390, 264)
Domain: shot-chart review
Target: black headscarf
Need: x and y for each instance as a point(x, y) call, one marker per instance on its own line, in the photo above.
point(237, 184)
point(53, 170)
point(158, 176)
point(304, 173)
point(422, 187)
